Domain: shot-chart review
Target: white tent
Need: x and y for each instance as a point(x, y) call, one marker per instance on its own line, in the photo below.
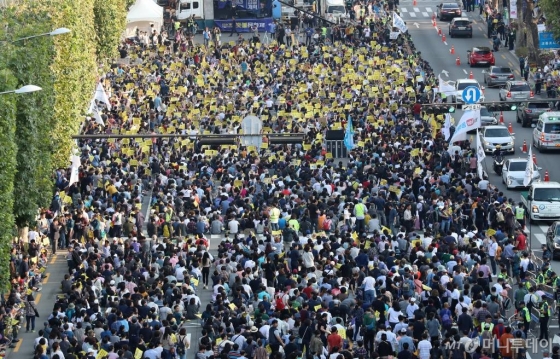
point(142, 15)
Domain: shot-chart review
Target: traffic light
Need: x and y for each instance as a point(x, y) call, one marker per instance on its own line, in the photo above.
point(502, 106)
point(439, 109)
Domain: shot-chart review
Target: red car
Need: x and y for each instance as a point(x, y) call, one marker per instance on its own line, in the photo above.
point(481, 56)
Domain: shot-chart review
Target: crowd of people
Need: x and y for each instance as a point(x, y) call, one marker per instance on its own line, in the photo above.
point(398, 250)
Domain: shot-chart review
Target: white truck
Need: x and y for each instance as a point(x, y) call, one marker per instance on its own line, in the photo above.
point(542, 201)
point(333, 10)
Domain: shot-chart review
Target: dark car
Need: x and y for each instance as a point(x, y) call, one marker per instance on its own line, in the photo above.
point(553, 239)
point(498, 76)
point(460, 26)
point(529, 112)
point(448, 11)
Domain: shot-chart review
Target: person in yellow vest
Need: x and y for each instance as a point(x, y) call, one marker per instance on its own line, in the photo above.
point(525, 316)
point(293, 223)
point(274, 216)
point(544, 315)
point(520, 215)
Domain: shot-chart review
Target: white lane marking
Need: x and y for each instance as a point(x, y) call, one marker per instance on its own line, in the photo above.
point(465, 71)
point(425, 14)
point(429, 9)
point(412, 14)
point(540, 237)
point(416, 9)
point(445, 42)
point(404, 9)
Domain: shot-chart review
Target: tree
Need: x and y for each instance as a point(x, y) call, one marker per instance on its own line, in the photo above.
point(8, 152)
point(551, 9)
point(110, 20)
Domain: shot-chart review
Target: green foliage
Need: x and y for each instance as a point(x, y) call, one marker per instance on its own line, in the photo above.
point(75, 71)
point(551, 9)
point(110, 20)
point(33, 122)
point(8, 151)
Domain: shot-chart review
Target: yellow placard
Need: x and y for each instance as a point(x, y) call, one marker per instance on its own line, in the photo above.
point(317, 307)
point(101, 354)
point(138, 354)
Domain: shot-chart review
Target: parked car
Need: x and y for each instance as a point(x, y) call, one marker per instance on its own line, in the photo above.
point(513, 172)
point(486, 117)
point(481, 55)
point(498, 76)
point(553, 239)
point(461, 85)
point(529, 112)
point(460, 26)
point(491, 136)
point(448, 11)
point(516, 91)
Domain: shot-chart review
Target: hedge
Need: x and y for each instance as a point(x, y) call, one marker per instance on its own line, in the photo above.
point(36, 128)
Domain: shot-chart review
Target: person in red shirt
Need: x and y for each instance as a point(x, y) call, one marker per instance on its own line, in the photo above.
point(417, 110)
point(520, 240)
point(334, 340)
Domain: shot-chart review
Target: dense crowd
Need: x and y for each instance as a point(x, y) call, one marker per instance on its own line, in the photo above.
point(399, 250)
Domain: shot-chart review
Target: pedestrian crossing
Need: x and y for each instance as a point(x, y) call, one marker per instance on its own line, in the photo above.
point(417, 12)
point(538, 234)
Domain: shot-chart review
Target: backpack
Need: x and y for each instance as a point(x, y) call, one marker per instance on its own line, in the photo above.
point(531, 266)
point(181, 345)
point(506, 303)
point(327, 225)
point(458, 353)
point(500, 217)
point(446, 318)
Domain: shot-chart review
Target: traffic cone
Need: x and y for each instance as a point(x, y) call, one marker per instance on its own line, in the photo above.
point(452, 50)
point(546, 178)
point(458, 61)
point(414, 3)
point(442, 37)
point(439, 31)
point(535, 159)
point(510, 128)
point(434, 17)
point(502, 119)
point(471, 76)
point(524, 149)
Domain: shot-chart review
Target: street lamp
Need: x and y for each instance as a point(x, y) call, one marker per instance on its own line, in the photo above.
point(59, 31)
point(23, 89)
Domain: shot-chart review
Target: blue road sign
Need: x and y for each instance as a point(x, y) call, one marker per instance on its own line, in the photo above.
point(471, 95)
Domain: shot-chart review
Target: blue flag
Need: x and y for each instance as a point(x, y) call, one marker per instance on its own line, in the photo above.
point(349, 135)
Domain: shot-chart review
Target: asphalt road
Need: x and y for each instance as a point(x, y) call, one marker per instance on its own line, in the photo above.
point(438, 54)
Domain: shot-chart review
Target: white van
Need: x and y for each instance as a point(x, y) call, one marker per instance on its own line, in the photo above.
point(546, 136)
point(188, 8)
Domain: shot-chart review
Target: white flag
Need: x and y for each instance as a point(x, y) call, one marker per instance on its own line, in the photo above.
point(479, 168)
point(398, 22)
point(469, 121)
point(445, 87)
point(480, 154)
point(101, 96)
point(529, 169)
point(446, 130)
point(75, 169)
point(98, 118)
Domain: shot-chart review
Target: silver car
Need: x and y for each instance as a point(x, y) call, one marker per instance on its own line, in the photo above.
point(513, 172)
point(491, 136)
point(498, 76)
point(486, 117)
point(516, 91)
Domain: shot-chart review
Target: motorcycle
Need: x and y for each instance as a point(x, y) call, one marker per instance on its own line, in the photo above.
point(498, 164)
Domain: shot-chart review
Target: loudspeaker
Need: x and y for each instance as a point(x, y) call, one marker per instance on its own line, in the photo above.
point(334, 135)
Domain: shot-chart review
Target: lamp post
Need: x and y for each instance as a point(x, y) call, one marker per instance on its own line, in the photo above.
point(56, 32)
point(23, 89)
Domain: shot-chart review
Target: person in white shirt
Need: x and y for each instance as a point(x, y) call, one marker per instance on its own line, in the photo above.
point(492, 249)
point(391, 337)
point(424, 347)
point(369, 289)
point(411, 308)
point(265, 330)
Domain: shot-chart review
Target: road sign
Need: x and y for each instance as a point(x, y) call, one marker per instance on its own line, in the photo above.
point(471, 107)
point(471, 95)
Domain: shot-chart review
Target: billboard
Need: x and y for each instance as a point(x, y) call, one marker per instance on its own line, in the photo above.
point(244, 25)
point(547, 41)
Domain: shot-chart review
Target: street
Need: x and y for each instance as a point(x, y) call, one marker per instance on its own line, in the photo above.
point(438, 54)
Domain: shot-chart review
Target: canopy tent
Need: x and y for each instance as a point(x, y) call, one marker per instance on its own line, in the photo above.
point(142, 15)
